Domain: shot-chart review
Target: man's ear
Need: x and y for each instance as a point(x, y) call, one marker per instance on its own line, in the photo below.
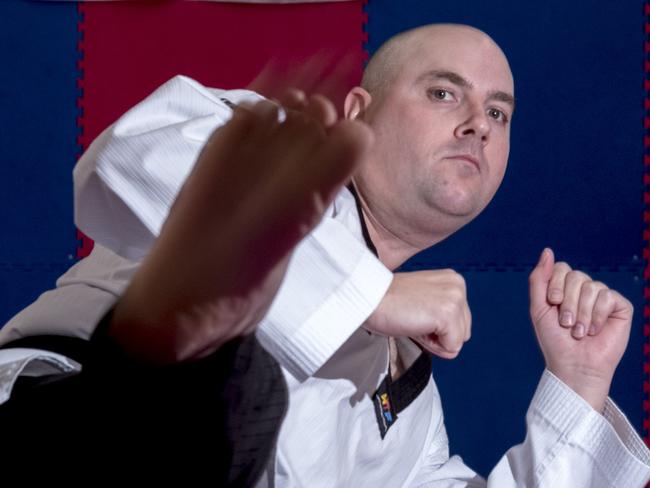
point(356, 103)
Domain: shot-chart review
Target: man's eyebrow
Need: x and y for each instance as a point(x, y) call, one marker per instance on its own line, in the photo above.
point(458, 80)
point(450, 76)
point(504, 97)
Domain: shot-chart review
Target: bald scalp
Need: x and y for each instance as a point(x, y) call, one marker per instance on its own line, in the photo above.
point(384, 65)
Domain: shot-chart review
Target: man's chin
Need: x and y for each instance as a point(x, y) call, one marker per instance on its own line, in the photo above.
point(463, 207)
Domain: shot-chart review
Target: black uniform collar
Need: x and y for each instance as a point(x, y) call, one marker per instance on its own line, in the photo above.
point(362, 219)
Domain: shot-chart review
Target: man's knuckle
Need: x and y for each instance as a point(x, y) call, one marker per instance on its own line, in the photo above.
point(598, 317)
point(451, 354)
point(562, 266)
point(461, 281)
point(449, 310)
point(567, 306)
point(584, 315)
point(572, 276)
point(446, 272)
point(608, 295)
point(456, 293)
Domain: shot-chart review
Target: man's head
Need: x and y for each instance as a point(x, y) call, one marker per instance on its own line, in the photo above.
point(439, 99)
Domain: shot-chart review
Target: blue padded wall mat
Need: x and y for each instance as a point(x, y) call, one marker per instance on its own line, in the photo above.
point(38, 94)
point(575, 183)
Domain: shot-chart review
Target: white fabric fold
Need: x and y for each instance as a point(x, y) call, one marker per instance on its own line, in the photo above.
point(15, 362)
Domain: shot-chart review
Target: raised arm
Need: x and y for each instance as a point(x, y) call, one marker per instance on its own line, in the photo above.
point(576, 436)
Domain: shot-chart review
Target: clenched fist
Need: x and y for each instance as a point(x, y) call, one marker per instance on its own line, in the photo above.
point(582, 326)
point(428, 306)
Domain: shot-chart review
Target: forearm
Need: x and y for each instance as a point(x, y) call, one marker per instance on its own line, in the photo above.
point(568, 443)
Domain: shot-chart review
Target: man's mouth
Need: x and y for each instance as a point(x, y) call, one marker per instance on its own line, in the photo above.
point(467, 157)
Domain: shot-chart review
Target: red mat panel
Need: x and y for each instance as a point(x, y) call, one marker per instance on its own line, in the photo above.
point(130, 48)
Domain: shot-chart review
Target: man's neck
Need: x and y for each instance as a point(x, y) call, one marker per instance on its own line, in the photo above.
point(393, 248)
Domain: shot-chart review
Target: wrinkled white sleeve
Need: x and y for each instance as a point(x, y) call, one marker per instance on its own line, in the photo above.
point(568, 444)
point(332, 284)
point(15, 362)
point(127, 180)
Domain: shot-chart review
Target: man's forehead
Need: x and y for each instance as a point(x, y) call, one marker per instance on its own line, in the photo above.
point(453, 48)
point(485, 73)
point(456, 50)
point(446, 37)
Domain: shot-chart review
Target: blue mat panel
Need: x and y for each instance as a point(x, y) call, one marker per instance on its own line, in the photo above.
point(38, 95)
point(23, 283)
point(575, 183)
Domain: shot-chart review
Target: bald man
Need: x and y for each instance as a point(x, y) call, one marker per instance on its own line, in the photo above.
point(364, 409)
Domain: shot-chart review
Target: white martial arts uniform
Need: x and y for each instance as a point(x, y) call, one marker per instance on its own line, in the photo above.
point(124, 186)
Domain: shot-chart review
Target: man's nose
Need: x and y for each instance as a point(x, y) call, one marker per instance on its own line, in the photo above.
point(475, 123)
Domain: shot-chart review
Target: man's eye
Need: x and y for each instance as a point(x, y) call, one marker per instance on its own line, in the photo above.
point(497, 114)
point(441, 94)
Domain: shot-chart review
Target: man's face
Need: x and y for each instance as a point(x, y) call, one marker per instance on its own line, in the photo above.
point(442, 132)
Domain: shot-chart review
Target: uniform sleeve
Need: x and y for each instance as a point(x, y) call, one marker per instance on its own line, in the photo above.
point(17, 362)
point(568, 444)
point(332, 285)
point(128, 179)
point(83, 295)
